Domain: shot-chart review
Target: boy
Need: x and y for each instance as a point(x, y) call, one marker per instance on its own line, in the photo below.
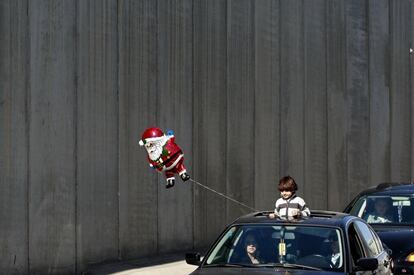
point(289, 205)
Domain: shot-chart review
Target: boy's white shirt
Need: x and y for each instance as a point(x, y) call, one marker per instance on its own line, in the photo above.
point(292, 209)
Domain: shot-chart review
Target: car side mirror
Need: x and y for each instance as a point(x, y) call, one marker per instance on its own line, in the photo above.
point(367, 264)
point(389, 251)
point(193, 258)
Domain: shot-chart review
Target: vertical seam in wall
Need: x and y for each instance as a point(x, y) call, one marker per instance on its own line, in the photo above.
point(156, 110)
point(280, 87)
point(118, 133)
point(253, 12)
point(28, 124)
point(369, 88)
point(192, 122)
point(326, 106)
point(409, 86)
point(387, 74)
point(391, 80)
point(75, 127)
point(345, 74)
point(304, 90)
point(227, 109)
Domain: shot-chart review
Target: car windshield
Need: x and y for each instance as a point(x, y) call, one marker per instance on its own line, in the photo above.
point(385, 209)
point(298, 246)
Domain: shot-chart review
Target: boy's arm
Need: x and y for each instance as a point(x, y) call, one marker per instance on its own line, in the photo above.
point(304, 209)
point(276, 212)
point(277, 206)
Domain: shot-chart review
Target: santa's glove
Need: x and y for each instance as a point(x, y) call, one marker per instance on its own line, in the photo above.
point(184, 176)
point(170, 183)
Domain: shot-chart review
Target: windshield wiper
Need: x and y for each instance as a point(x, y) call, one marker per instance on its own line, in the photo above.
point(288, 265)
point(230, 265)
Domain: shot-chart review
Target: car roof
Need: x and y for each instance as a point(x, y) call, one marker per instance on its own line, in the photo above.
point(390, 188)
point(317, 217)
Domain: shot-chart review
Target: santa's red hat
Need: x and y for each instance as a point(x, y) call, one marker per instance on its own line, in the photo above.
point(151, 134)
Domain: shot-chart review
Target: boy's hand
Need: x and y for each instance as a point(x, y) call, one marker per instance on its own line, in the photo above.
point(272, 215)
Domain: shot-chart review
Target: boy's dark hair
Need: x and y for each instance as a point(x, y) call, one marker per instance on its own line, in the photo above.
point(287, 184)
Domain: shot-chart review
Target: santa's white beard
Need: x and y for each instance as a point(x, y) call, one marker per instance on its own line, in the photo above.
point(155, 153)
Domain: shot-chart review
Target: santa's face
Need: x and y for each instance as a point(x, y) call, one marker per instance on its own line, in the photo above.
point(154, 149)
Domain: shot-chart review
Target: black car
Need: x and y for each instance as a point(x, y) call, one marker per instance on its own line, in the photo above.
point(389, 209)
point(324, 243)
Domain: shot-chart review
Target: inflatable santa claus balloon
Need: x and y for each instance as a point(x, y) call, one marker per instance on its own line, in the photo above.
point(164, 154)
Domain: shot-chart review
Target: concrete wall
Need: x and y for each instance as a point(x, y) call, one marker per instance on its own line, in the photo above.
point(254, 90)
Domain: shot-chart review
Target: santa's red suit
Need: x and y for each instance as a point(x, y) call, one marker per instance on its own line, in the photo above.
point(164, 154)
point(171, 160)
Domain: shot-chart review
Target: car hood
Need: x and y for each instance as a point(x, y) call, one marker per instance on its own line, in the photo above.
point(399, 239)
point(230, 271)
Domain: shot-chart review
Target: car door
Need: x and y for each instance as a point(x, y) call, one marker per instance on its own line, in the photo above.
point(386, 260)
point(373, 247)
point(356, 250)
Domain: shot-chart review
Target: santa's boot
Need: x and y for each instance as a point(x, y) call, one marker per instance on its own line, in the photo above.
point(184, 176)
point(170, 183)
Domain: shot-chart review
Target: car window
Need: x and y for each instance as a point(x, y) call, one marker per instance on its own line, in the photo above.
point(355, 244)
point(377, 240)
point(314, 246)
point(224, 249)
point(376, 209)
point(368, 239)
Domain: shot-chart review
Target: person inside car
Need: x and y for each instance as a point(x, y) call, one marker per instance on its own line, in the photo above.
point(381, 212)
point(289, 205)
point(334, 257)
point(408, 213)
point(251, 250)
